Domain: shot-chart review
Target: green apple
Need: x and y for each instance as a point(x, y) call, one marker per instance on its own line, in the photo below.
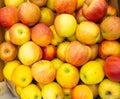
point(15, 3)
point(109, 89)
point(65, 25)
point(56, 40)
point(92, 72)
point(52, 91)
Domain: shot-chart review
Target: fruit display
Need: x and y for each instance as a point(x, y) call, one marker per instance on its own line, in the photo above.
point(60, 49)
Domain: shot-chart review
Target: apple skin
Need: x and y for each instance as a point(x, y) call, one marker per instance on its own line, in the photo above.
point(65, 6)
point(52, 91)
point(110, 28)
point(19, 33)
point(8, 16)
point(111, 10)
point(40, 3)
point(108, 48)
point(41, 34)
point(49, 52)
point(111, 67)
point(95, 10)
point(8, 51)
point(29, 19)
point(109, 89)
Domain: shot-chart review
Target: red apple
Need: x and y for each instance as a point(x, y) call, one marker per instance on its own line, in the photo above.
point(19, 33)
point(29, 13)
point(41, 34)
point(112, 68)
point(8, 51)
point(65, 6)
point(95, 10)
point(8, 16)
point(107, 48)
point(49, 52)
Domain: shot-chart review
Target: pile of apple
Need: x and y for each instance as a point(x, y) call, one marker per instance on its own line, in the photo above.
point(61, 49)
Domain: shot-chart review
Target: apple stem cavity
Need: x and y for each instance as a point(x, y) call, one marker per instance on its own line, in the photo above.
point(108, 93)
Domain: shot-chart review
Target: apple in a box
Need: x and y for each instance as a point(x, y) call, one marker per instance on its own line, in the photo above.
point(95, 10)
point(8, 16)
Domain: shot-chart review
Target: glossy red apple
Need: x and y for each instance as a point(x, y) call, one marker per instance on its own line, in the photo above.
point(49, 52)
point(8, 16)
point(112, 68)
point(65, 6)
point(8, 51)
point(95, 10)
point(41, 34)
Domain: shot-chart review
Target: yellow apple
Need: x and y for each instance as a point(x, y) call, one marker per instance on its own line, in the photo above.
point(80, 3)
point(29, 53)
point(67, 75)
point(52, 91)
point(7, 36)
point(50, 4)
point(92, 72)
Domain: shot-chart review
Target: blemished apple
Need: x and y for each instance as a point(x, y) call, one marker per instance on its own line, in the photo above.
point(109, 89)
point(40, 3)
point(14, 3)
point(29, 53)
point(95, 10)
point(29, 13)
point(49, 52)
point(19, 33)
point(108, 48)
point(111, 67)
point(111, 10)
point(65, 25)
point(67, 75)
point(47, 16)
point(8, 51)
point(61, 50)
point(56, 40)
point(31, 91)
point(77, 53)
point(52, 91)
point(65, 6)
point(41, 34)
point(8, 16)
point(110, 28)
point(92, 72)
point(43, 71)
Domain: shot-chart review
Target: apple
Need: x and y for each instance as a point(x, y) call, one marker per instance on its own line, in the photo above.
point(41, 34)
point(108, 48)
point(65, 6)
point(80, 3)
point(8, 16)
point(7, 36)
point(95, 10)
point(8, 51)
point(43, 71)
point(15, 3)
point(31, 92)
point(2, 34)
point(50, 4)
point(40, 3)
point(111, 10)
point(61, 50)
point(88, 32)
point(56, 40)
point(67, 75)
point(19, 33)
point(49, 52)
point(111, 67)
point(47, 16)
point(79, 16)
point(110, 28)
point(52, 91)
point(92, 72)
point(65, 25)
point(29, 13)
point(109, 89)
point(29, 53)
point(67, 93)
point(94, 49)
point(77, 53)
